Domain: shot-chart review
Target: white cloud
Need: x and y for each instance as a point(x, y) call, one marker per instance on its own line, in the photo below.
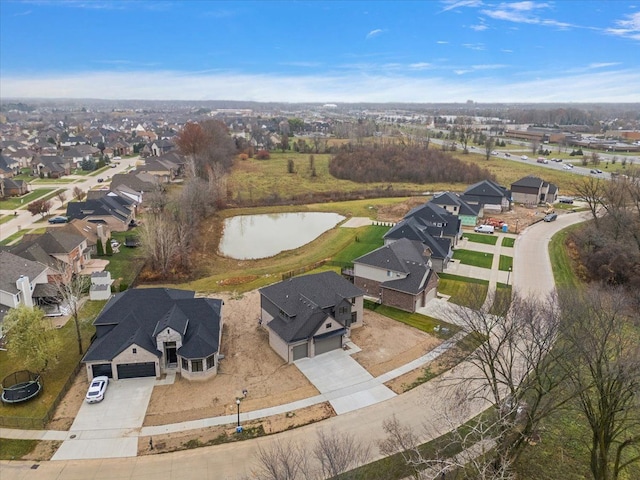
point(419, 66)
point(479, 28)
point(629, 27)
point(474, 46)
point(601, 86)
point(603, 64)
point(22, 14)
point(374, 33)
point(453, 4)
point(442, 42)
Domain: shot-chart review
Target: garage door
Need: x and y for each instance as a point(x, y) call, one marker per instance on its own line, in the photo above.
point(300, 351)
point(102, 369)
point(133, 370)
point(327, 344)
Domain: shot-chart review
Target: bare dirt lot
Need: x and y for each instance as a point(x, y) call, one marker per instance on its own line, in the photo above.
point(251, 364)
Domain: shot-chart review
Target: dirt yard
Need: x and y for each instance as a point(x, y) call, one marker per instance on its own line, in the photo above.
point(251, 364)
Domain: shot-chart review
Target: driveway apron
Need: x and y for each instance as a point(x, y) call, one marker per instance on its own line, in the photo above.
point(104, 430)
point(343, 381)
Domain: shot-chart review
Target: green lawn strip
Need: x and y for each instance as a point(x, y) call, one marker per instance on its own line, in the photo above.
point(503, 293)
point(44, 181)
point(5, 219)
point(11, 449)
point(12, 238)
point(477, 259)
point(15, 203)
point(563, 266)
point(99, 171)
point(508, 241)
point(427, 324)
point(458, 287)
point(506, 263)
point(367, 239)
point(33, 414)
point(479, 238)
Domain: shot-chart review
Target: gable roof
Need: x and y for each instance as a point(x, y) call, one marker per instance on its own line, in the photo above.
point(453, 199)
point(529, 181)
point(304, 301)
point(106, 205)
point(485, 192)
point(138, 181)
point(12, 267)
point(136, 316)
point(412, 228)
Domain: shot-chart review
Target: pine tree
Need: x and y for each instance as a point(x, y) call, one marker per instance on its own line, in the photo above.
point(100, 247)
point(109, 248)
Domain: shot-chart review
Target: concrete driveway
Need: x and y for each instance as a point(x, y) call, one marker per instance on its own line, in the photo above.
point(102, 430)
point(343, 381)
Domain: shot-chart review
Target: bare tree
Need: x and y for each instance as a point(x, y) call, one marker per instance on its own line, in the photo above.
point(78, 193)
point(334, 454)
point(62, 196)
point(488, 147)
point(71, 290)
point(514, 366)
point(604, 368)
point(159, 243)
point(592, 191)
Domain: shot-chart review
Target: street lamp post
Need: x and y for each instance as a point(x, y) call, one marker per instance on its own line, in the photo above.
point(238, 428)
point(508, 275)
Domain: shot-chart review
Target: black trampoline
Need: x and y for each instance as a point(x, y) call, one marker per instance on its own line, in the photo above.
point(20, 386)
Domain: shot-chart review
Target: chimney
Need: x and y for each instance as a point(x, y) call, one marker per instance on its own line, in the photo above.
point(100, 233)
point(24, 286)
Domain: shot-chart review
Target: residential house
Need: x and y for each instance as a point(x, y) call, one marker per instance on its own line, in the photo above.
point(92, 232)
point(10, 187)
point(51, 166)
point(165, 167)
point(398, 274)
point(309, 315)
point(437, 248)
point(437, 221)
point(8, 166)
point(137, 181)
point(65, 253)
point(453, 204)
point(114, 211)
point(488, 194)
point(21, 282)
point(162, 146)
point(532, 190)
point(151, 331)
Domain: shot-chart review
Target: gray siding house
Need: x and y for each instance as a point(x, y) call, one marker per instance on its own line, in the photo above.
point(311, 314)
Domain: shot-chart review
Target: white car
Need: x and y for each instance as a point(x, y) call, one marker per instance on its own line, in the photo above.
point(524, 157)
point(567, 166)
point(97, 389)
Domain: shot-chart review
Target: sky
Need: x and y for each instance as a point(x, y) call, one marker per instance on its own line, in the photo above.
point(322, 51)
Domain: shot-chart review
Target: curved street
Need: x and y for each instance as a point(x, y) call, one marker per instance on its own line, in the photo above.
point(426, 404)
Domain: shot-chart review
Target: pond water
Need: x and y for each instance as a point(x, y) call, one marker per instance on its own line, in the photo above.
point(249, 237)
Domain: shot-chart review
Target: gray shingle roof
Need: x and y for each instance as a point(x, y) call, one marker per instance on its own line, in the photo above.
point(12, 267)
point(136, 316)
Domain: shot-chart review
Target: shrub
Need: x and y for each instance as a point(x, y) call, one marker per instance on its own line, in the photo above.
point(263, 155)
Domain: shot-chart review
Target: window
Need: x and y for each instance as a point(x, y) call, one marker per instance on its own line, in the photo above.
point(211, 361)
point(388, 273)
point(185, 364)
point(344, 310)
point(328, 325)
point(196, 365)
point(135, 350)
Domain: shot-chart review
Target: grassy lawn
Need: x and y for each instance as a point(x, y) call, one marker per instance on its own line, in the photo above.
point(429, 325)
point(506, 263)
point(15, 203)
point(31, 413)
point(12, 238)
point(477, 259)
point(5, 218)
point(508, 241)
point(15, 449)
point(52, 180)
point(99, 171)
point(479, 238)
point(458, 288)
point(367, 239)
point(563, 266)
point(124, 264)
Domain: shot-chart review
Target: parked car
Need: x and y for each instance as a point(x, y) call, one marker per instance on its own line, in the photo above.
point(485, 229)
point(97, 389)
point(58, 219)
point(566, 200)
point(551, 217)
point(100, 180)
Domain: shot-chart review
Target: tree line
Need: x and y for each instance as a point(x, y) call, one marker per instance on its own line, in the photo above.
point(393, 163)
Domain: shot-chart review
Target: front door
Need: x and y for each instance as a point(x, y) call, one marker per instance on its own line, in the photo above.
point(170, 354)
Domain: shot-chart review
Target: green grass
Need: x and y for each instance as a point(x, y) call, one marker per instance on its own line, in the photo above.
point(55, 377)
point(477, 259)
point(5, 219)
point(11, 449)
point(15, 203)
point(429, 325)
point(563, 267)
point(367, 239)
point(45, 180)
point(12, 238)
point(459, 288)
point(508, 241)
point(479, 238)
point(506, 263)
point(124, 264)
point(99, 171)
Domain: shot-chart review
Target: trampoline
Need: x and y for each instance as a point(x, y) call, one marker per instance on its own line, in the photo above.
point(20, 386)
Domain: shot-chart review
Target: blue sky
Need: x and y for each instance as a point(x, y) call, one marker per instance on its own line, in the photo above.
point(322, 51)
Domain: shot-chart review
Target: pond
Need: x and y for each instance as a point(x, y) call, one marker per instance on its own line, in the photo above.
point(249, 237)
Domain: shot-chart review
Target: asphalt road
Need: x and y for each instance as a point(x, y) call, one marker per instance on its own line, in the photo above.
point(24, 220)
point(430, 404)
